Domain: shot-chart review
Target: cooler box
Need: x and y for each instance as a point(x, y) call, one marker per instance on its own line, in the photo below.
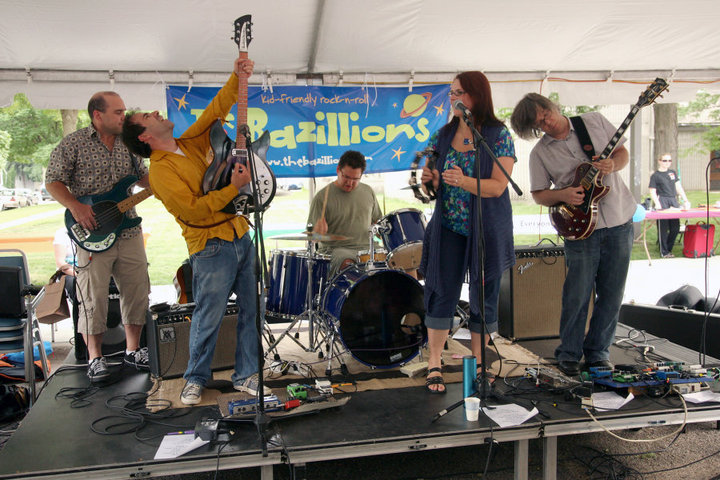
point(699, 240)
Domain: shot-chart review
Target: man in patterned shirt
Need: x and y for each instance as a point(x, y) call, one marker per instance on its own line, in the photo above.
point(91, 161)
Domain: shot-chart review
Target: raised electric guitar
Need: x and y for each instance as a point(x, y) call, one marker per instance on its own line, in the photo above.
point(110, 216)
point(227, 153)
point(576, 222)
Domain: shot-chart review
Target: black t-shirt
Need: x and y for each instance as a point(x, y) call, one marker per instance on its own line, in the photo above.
point(664, 183)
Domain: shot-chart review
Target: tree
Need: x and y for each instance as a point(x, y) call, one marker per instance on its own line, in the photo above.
point(33, 134)
point(572, 111)
point(666, 130)
point(4, 152)
point(705, 107)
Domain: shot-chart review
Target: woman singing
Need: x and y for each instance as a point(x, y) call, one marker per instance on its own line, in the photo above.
point(450, 247)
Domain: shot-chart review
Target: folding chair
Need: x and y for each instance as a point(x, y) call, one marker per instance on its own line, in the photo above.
point(17, 314)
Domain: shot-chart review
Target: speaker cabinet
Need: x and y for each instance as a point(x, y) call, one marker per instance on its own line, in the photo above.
point(530, 300)
point(12, 303)
point(168, 336)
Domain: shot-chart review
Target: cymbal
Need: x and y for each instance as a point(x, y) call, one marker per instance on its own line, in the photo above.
point(310, 237)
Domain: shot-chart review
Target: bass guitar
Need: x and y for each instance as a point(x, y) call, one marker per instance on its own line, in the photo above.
point(577, 222)
point(110, 216)
point(227, 153)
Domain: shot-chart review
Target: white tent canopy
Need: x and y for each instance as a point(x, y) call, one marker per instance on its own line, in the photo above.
point(599, 52)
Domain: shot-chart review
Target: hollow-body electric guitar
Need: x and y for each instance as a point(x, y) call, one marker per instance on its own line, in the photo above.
point(577, 222)
point(110, 216)
point(227, 153)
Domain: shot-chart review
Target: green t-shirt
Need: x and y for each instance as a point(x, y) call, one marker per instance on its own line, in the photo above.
point(347, 213)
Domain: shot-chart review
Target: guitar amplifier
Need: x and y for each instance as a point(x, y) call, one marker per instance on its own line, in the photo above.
point(530, 300)
point(168, 338)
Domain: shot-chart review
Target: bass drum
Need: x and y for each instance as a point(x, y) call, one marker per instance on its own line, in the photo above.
point(378, 314)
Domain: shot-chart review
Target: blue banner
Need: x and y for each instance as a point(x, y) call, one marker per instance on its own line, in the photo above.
point(310, 127)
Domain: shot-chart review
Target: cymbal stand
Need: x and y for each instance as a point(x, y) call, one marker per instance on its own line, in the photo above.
point(311, 313)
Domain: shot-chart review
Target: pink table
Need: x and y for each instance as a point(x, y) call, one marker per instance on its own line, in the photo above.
point(698, 213)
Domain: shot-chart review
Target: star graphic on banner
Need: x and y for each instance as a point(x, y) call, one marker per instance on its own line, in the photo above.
point(395, 105)
point(439, 110)
point(398, 152)
point(182, 103)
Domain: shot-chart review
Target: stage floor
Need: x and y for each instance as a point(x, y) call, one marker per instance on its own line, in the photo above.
point(56, 439)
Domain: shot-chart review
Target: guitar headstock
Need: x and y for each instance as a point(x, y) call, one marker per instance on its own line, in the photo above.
point(652, 92)
point(243, 33)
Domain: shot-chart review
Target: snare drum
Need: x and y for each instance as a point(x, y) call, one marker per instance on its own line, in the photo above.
point(402, 233)
point(378, 314)
point(287, 290)
point(363, 256)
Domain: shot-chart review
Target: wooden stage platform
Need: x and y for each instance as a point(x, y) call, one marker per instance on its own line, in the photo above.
point(56, 439)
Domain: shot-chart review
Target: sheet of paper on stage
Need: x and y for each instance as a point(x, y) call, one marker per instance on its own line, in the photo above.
point(509, 415)
point(172, 446)
point(462, 334)
point(609, 400)
point(702, 397)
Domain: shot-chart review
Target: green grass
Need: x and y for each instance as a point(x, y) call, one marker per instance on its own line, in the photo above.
point(166, 248)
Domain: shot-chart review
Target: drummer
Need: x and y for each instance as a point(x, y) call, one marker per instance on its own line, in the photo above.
point(345, 207)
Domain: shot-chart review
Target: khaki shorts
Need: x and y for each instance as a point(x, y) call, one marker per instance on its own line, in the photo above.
point(127, 263)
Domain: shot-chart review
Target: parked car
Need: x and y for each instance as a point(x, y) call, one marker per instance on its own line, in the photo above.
point(28, 195)
point(45, 195)
point(7, 199)
point(22, 199)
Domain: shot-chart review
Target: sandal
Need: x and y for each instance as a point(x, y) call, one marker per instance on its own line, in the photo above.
point(437, 380)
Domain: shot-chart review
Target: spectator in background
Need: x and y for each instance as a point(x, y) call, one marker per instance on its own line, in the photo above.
point(664, 189)
point(64, 252)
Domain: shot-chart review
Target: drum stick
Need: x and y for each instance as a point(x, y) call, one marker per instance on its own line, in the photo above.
point(322, 215)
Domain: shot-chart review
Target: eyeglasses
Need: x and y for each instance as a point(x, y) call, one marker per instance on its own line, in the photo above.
point(665, 160)
point(539, 123)
point(456, 93)
point(351, 179)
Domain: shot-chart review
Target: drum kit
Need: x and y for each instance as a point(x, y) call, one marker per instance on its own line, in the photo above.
point(374, 307)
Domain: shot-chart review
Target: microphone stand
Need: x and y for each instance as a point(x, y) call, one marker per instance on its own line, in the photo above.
point(483, 390)
point(480, 140)
point(261, 420)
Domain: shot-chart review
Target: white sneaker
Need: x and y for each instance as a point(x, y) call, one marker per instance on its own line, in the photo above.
point(98, 369)
point(250, 385)
point(191, 393)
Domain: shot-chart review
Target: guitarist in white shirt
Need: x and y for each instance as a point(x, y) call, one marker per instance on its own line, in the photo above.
point(90, 162)
point(600, 261)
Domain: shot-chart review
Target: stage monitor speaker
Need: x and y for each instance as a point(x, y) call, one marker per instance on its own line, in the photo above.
point(168, 335)
point(114, 337)
point(681, 326)
point(530, 300)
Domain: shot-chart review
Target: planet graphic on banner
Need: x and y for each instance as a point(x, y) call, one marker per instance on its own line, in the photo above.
point(414, 105)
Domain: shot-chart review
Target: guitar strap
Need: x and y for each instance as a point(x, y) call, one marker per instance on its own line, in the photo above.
point(583, 136)
point(134, 160)
point(207, 226)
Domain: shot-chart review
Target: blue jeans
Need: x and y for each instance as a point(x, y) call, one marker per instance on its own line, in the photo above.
point(220, 268)
point(600, 261)
point(440, 309)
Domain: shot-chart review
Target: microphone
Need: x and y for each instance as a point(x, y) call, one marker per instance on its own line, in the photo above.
point(458, 105)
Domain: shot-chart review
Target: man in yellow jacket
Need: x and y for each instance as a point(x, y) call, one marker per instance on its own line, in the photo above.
point(221, 252)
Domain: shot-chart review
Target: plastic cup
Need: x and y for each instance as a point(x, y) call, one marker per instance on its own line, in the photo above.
point(472, 409)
